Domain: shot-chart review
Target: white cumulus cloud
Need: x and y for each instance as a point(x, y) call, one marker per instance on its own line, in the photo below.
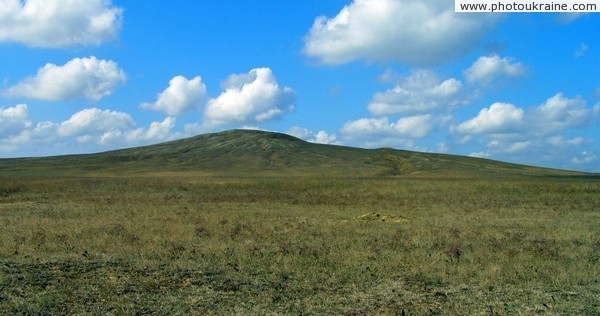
point(250, 98)
point(14, 119)
point(498, 118)
point(59, 23)
point(112, 129)
point(88, 78)
point(95, 121)
point(89, 130)
point(37, 134)
point(382, 131)
point(415, 126)
point(181, 96)
point(321, 137)
point(367, 126)
point(531, 133)
point(157, 131)
point(488, 68)
point(559, 113)
point(409, 31)
point(420, 92)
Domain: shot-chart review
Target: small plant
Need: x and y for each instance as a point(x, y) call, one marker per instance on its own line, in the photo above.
point(201, 231)
point(454, 252)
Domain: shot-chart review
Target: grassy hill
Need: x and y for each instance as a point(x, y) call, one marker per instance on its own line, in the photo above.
point(366, 232)
point(251, 153)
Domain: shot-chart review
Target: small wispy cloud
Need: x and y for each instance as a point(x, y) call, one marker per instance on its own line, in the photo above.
point(583, 48)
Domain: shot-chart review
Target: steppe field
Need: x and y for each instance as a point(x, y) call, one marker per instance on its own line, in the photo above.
point(292, 245)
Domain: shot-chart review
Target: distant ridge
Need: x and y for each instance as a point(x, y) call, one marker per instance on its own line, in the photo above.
point(260, 153)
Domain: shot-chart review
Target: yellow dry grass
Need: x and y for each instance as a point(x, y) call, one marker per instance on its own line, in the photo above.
point(201, 245)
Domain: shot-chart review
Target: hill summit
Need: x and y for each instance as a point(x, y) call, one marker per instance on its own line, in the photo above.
point(258, 153)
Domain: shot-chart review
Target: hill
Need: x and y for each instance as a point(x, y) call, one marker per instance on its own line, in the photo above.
point(258, 153)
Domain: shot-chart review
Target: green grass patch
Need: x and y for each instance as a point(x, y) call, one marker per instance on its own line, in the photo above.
point(219, 245)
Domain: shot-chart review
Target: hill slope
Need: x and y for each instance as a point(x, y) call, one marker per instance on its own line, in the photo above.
point(249, 152)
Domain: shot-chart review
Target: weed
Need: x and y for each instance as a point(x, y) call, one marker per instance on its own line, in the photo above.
point(454, 252)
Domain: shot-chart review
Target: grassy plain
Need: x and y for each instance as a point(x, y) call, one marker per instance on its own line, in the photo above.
point(294, 245)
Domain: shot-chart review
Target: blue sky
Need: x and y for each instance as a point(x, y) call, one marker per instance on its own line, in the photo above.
point(83, 76)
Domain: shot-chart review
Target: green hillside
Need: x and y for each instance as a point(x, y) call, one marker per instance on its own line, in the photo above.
point(257, 153)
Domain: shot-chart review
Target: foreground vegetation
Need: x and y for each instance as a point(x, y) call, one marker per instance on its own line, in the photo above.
point(214, 245)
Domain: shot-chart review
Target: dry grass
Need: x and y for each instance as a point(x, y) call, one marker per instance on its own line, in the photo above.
point(290, 246)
